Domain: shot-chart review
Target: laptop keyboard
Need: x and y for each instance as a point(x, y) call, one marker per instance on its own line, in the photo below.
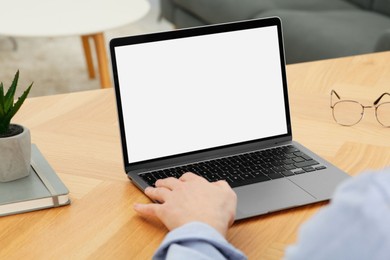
point(243, 169)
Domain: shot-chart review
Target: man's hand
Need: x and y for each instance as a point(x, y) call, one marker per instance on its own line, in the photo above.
point(191, 198)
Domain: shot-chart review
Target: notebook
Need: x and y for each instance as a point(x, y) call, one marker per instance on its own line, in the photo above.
point(41, 189)
point(196, 97)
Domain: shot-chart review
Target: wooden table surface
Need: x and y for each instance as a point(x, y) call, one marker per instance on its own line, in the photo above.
point(78, 134)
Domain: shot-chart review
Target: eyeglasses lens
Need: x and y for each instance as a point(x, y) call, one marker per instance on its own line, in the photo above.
point(347, 112)
point(383, 114)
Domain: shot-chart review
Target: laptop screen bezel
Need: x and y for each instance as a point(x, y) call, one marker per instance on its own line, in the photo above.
point(193, 32)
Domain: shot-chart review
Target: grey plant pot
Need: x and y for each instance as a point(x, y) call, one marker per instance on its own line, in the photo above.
point(15, 154)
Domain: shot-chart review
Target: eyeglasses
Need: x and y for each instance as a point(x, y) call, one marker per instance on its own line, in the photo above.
point(350, 112)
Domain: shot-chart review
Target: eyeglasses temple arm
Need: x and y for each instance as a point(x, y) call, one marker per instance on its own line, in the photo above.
point(331, 95)
point(377, 101)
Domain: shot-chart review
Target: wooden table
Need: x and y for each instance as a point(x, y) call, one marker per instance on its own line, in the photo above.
point(78, 133)
point(87, 18)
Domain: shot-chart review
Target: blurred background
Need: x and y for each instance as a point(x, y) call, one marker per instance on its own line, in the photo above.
point(57, 64)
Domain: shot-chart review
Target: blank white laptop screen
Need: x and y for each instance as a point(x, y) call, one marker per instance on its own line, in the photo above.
point(200, 92)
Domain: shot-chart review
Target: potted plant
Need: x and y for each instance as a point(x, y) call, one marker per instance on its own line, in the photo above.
point(15, 140)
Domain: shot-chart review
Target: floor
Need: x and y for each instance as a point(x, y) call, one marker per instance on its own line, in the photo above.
point(57, 65)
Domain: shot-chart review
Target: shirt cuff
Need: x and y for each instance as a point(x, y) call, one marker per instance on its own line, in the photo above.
point(197, 238)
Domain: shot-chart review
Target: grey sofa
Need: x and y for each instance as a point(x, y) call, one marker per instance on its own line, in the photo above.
point(313, 29)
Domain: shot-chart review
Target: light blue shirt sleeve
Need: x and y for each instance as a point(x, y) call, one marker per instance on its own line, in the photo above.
point(196, 240)
point(355, 225)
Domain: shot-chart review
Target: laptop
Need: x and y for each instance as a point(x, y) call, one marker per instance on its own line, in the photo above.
point(213, 100)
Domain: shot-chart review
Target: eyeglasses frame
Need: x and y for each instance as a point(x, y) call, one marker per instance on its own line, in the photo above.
point(375, 105)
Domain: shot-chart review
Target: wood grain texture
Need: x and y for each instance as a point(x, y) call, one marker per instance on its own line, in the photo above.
point(78, 134)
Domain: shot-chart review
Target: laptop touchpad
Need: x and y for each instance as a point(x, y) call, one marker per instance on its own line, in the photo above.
point(265, 197)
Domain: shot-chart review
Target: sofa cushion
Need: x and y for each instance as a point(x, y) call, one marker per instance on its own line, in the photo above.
point(383, 43)
point(381, 6)
point(329, 34)
point(217, 11)
point(366, 4)
point(185, 20)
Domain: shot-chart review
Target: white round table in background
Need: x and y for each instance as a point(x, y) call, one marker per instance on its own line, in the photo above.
point(86, 18)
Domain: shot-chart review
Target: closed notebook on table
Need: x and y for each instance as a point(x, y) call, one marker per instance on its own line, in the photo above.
point(41, 189)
